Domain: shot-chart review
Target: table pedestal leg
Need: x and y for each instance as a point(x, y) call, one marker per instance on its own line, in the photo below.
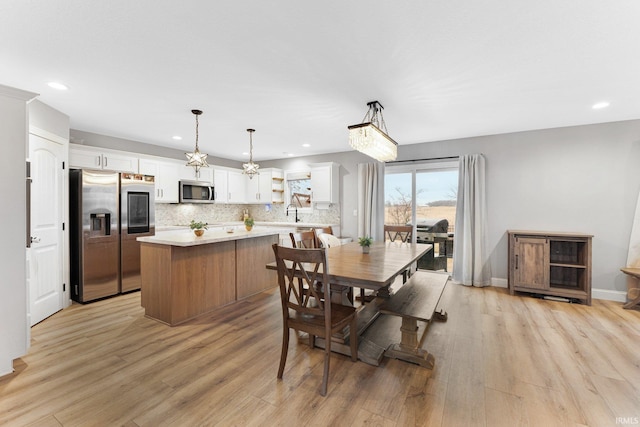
point(633, 302)
point(368, 351)
point(409, 347)
point(384, 292)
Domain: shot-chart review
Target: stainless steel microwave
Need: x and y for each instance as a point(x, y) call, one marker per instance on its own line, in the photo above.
point(196, 192)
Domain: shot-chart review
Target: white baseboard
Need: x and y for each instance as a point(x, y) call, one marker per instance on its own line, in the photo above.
point(606, 294)
point(499, 283)
point(6, 367)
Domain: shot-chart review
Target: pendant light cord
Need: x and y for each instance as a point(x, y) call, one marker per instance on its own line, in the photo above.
point(197, 149)
point(251, 145)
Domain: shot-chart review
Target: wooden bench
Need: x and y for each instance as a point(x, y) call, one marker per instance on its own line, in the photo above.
point(417, 300)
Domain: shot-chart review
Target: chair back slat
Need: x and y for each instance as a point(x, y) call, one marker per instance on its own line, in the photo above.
point(402, 232)
point(300, 270)
point(303, 239)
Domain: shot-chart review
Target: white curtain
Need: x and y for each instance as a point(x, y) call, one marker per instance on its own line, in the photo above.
point(368, 216)
point(470, 257)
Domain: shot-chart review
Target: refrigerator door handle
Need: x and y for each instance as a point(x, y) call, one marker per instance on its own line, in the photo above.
point(107, 224)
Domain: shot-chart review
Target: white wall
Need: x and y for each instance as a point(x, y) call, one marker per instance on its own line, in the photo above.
point(13, 291)
point(48, 119)
point(577, 179)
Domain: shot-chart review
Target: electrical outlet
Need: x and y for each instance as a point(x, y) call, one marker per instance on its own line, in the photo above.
point(355, 212)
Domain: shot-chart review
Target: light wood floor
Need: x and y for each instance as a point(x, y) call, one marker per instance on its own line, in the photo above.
point(500, 361)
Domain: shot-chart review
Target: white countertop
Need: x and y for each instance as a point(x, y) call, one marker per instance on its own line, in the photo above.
point(186, 237)
point(296, 224)
point(257, 223)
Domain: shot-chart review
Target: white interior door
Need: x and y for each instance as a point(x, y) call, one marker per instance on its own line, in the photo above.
point(45, 266)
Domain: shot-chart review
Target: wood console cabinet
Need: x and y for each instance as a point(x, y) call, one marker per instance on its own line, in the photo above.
point(548, 263)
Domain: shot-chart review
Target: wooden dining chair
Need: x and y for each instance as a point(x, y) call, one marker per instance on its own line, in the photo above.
point(303, 239)
point(321, 320)
point(322, 230)
point(328, 240)
point(345, 292)
point(402, 233)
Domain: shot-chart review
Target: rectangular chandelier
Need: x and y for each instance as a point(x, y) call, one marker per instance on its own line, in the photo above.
point(368, 139)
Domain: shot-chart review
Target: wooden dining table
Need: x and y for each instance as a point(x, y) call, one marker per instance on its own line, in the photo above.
point(377, 270)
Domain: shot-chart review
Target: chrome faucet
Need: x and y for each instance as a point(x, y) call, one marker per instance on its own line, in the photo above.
point(296, 208)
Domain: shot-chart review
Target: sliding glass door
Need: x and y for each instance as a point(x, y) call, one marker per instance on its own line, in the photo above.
point(424, 195)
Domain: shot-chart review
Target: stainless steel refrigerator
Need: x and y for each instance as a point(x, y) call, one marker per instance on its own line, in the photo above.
point(107, 212)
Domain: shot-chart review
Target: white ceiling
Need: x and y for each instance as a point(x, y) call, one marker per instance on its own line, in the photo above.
point(301, 72)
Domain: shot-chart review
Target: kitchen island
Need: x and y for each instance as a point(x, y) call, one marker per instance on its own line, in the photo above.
point(184, 276)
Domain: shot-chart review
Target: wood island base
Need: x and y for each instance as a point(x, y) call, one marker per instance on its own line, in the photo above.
point(180, 283)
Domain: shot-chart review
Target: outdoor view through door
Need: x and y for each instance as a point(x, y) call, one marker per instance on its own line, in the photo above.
point(425, 195)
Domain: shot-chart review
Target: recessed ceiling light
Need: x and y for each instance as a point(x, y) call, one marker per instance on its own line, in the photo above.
point(600, 105)
point(176, 137)
point(306, 145)
point(290, 154)
point(244, 153)
point(57, 86)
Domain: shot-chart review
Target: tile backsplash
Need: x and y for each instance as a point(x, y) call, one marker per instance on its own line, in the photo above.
point(181, 214)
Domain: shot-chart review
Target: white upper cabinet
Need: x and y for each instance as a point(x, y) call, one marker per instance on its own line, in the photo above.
point(167, 175)
point(260, 188)
point(98, 158)
point(233, 186)
point(220, 185)
point(236, 187)
point(229, 185)
point(203, 175)
point(252, 188)
point(325, 182)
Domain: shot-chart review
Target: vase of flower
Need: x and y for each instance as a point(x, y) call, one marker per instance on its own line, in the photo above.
point(198, 227)
point(248, 223)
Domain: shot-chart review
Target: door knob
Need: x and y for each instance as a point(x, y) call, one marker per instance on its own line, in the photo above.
point(35, 239)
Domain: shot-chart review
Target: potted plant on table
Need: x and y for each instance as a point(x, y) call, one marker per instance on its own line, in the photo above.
point(198, 227)
point(365, 242)
point(248, 223)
